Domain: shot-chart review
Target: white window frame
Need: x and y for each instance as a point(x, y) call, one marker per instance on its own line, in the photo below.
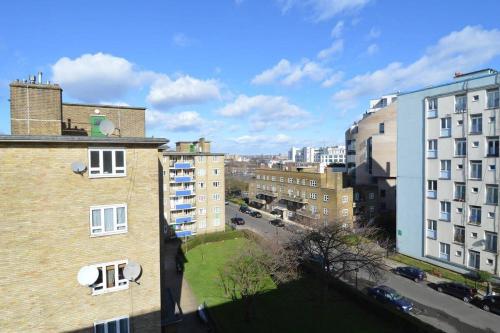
point(345, 212)
point(116, 227)
point(216, 222)
point(494, 189)
point(290, 180)
point(325, 211)
point(202, 211)
point(460, 147)
point(98, 172)
point(216, 196)
point(201, 158)
point(215, 172)
point(326, 197)
point(282, 179)
point(371, 196)
point(447, 250)
point(313, 183)
point(201, 185)
point(215, 158)
point(216, 210)
point(345, 199)
point(216, 183)
point(495, 98)
point(120, 284)
point(202, 197)
point(474, 259)
point(491, 241)
point(117, 320)
point(200, 172)
point(202, 223)
point(313, 195)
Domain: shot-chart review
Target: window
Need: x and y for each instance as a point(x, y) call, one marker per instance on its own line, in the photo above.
point(216, 196)
point(444, 251)
point(202, 198)
point(381, 128)
point(345, 199)
point(445, 169)
point(371, 195)
point(313, 183)
point(473, 235)
point(216, 222)
point(297, 181)
point(459, 234)
point(474, 259)
point(345, 212)
point(459, 192)
point(282, 179)
point(290, 180)
point(490, 241)
point(475, 190)
point(432, 104)
point(445, 126)
point(476, 170)
point(215, 158)
point(382, 193)
point(491, 119)
point(475, 215)
point(325, 197)
point(432, 148)
point(216, 172)
point(492, 167)
point(460, 103)
point(476, 124)
point(491, 215)
point(200, 172)
point(257, 176)
point(432, 229)
point(257, 186)
point(106, 163)
point(490, 262)
point(216, 210)
point(475, 144)
point(356, 196)
point(432, 189)
point(115, 325)
point(325, 211)
point(492, 194)
point(110, 277)
point(458, 253)
point(460, 166)
point(493, 97)
point(303, 182)
point(105, 220)
point(313, 195)
point(201, 185)
point(460, 122)
point(202, 223)
point(216, 184)
point(445, 208)
point(273, 178)
point(460, 147)
point(202, 211)
point(492, 143)
point(475, 98)
point(459, 210)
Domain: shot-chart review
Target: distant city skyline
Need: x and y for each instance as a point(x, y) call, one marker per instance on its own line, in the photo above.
point(251, 76)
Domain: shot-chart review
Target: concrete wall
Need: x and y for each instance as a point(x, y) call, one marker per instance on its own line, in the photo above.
point(46, 239)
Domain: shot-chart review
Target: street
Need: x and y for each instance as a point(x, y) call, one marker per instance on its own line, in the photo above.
point(445, 312)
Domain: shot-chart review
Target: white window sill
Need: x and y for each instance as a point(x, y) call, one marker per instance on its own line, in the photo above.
point(108, 175)
point(109, 290)
point(110, 233)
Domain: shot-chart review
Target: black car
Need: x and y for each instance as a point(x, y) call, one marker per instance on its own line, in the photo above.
point(390, 296)
point(256, 214)
point(276, 212)
point(490, 303)
point(459, 290)
point(277, 223)
point(245, 209)
point(413, 273)
point(238, 220)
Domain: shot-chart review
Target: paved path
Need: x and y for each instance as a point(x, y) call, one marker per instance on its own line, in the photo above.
point(442, 311)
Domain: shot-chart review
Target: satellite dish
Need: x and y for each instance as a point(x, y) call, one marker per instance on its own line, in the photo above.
point(87, 275)
point(132, 271)
point(78, 167)
point(107, 127)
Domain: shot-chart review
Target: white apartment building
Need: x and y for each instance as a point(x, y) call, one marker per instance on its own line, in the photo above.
point(334, 154)
point(460, 220)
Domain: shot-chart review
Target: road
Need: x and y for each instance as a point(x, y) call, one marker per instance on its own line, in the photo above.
point(448, 313)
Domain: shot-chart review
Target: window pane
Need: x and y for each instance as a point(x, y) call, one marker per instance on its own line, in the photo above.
point(99, 328)
point(99, 279)
point(110, 276)
point(120, 215)
point(119, 160)
point(120, 271)
point(107, 161)
point(96, 218)
point(124, 325)
point(108, 219)
point(94, 159)
point(112, 327)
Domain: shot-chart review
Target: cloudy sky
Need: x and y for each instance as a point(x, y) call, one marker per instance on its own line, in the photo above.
point(253, 76)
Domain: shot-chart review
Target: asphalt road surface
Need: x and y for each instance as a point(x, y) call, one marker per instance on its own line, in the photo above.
point(448, 313)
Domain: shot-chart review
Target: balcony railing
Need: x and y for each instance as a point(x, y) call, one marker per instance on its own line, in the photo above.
point(431, 194)
point(444, 216)
point(432, 113)
point(307, 213)
point(445, 132)
point(432, 154)
point(293, 198)
point(181, 165)
point(181, 179)
point(475, 220)
point(445, 174)
point(180, 206)
point(432, 234)
point(444, 256)
point(183, 233)
point(184, 193)
point(459, 238)
point(268, 193)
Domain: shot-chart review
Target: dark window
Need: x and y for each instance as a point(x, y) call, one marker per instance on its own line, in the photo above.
point(382, 193)
point(119, 158)
point(107, 161)
point(381, 128)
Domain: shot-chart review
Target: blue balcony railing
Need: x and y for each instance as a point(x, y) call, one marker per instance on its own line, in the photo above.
point(432, 234)
point(183, 179)
point(432, 114)
point(432, 153)
point(183, 206)
point(431, 194)
point(445, 132)
point(444, 174)
point(182, 165)
point(181, 193)
point(184, 219)
point(183, 233)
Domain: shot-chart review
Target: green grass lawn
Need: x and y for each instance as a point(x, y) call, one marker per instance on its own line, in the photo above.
point(295, 307)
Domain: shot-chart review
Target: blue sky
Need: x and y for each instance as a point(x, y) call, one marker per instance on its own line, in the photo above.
point(252, 76)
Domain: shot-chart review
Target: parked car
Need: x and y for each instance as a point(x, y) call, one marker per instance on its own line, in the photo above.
point(456, 289)
point(276, 212)
point(490, 303)
point(226, 203)
point(416, 274)
point(238, 220)
point(390, 296)
point(277, 223)
point(245, 209)
point(255, 213)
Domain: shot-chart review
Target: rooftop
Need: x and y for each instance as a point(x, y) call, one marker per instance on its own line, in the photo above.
point(81, 139)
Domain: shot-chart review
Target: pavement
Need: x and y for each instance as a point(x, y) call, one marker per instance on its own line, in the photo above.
point(445, 312)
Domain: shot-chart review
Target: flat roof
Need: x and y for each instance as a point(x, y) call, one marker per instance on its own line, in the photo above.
point(107, 106)
point(81, 139)
point(176, 153)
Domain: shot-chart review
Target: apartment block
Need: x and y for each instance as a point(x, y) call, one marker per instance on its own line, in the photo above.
point(79, 212)
point(310, 196)
point(448, 157)
point(193, 186)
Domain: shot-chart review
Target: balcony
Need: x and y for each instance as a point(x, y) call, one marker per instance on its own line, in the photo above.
point(293, 198)
point(445, 132)
point(459, 238)
point(183, 193)
point(432, 113)
point(307, 213)
point(444, 256)
point(184, 219)
point(475, 220)
point(432, 234)
point(181, 179)
point(268, 193)
point(183, 233)
point(181, 166)
point(444, 174)
point(444, 216)
point(431, 194)
point(432, 154)
point(180, 206)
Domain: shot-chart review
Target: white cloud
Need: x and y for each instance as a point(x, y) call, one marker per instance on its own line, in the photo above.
point(185, 90)
point(333, 80)
point(337, 29)
point(464, 50)
point(372, 49)
point(181, 39)
point(100, 76)
point(324, 9)
point(289, 74)
point(185, 121)
point(336, 47)
point(374, 33)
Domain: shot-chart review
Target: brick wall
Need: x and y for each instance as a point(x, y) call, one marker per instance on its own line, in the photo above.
point(46, 239)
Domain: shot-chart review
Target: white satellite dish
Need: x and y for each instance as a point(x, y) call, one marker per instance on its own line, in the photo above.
point(87, 275)
point(132, 271)
point(78, 167)
point(107, 127)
